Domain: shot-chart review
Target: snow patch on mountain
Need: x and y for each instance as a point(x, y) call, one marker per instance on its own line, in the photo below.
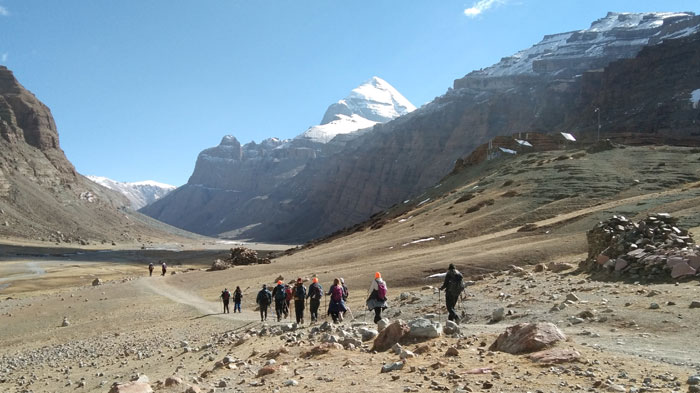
point(139, 193)
point(375, 101)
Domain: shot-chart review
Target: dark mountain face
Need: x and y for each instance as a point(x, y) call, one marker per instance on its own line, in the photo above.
point(544, 90)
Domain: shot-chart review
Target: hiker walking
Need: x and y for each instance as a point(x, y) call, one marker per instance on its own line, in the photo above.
point(453, 287)
point(346, 293)
point(150, 269)
point(315, 294)
point(287, 299)
point(163, 268)
point(299, 298)
point(377, 297)
point(237, 296)
point(280, 296)
point(226, 296)
point(336, 307)
point(263, 299)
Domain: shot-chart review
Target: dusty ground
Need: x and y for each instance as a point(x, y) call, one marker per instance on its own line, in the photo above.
point(134, 324)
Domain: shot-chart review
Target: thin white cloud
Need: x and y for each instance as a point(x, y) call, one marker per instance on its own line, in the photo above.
point(480, 6)
point(4, 11)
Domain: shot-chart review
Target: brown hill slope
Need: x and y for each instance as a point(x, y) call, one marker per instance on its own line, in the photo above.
point(43, 198)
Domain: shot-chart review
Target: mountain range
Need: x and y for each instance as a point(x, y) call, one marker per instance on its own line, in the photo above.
point(295, 191)
point(139, 193)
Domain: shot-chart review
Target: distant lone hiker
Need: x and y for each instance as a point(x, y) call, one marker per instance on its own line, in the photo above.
point(315, 294)
point(377, 297)
point(150, 269)
point(237, 296)
point(163, 268)
point(264, 299)
point(453, 287)
point(226, 296)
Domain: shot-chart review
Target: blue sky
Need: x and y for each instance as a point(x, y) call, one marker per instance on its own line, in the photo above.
point(139, 88)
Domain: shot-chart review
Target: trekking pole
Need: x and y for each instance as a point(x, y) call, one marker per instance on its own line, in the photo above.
point(439, 306)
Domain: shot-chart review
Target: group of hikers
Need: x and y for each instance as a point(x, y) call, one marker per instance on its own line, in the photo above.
point(163, 268)
point(282, 296)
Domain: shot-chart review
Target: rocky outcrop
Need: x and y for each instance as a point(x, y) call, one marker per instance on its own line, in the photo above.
point(42, 197)
point(527, 337)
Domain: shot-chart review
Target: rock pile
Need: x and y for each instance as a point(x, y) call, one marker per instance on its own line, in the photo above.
point(239, 256)
point(651, 248)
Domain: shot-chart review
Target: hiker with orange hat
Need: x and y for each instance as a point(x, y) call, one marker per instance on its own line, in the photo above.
point(299, 299)
point(377, 297)
point(279, 295)
point(315, 294)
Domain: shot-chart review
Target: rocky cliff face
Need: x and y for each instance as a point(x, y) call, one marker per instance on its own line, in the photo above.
point(42, 197)
point(554, 86)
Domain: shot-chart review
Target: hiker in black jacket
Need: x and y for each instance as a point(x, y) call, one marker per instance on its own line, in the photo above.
point(264, 299)
point(237, 296)
point(315, 294)
point(299, 298)
point(226, 297)
point(453, 287)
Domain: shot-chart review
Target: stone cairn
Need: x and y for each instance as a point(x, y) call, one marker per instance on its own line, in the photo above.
point(239, 256)
point(653, 248)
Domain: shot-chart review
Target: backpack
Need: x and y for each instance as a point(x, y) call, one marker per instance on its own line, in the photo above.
point(288, 293)
point(337, 293)
point(279, 293)
point(300, 292)
point(225, 295)
point(381, 291)
point(456, 284)
point(315, 291)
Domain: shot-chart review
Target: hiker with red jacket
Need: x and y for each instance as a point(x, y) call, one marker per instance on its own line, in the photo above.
point(288, 295)
point(299, 299)
point(226, 296)
point(336, 306)
point(315, 294)
point(377, 297)
point(278, 293)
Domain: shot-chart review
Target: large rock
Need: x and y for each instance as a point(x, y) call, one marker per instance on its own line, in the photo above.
point(422, 328)
point(555, 355)
point(131, 387)
point(390, 336)
point(527, 337)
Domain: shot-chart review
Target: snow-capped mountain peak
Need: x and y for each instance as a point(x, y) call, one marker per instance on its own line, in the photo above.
point(374, 101)
point(139, 193)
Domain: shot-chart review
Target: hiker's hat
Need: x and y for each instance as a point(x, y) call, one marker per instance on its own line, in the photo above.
point(342, 281)
point(452, 266)
point(299, 279)
point(377, 275)
point(315, 279)
point(279, 282)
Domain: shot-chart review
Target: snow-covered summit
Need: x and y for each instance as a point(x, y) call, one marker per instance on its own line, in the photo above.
point(139, 193)
point(616, 36)
point(374, 101)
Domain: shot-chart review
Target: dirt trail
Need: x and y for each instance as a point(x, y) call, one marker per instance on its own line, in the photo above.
point(160, 286)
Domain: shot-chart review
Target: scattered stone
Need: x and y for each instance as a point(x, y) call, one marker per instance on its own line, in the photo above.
point(452, 351)
point(654, 306)
point(382, 324)
point(694, 380)
point(558, 267)
point(131, 387)
point(695, 304)
point(267, 370)
point(173, 381)
point(555, 356)
point(66, 323)
point(497, 315)
point(527, 337)
point(96, 282)
point(291, 382)
point(392, 366)
point(572, 297)
point(390, 336)
point(451, 328)
point(367, 333)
